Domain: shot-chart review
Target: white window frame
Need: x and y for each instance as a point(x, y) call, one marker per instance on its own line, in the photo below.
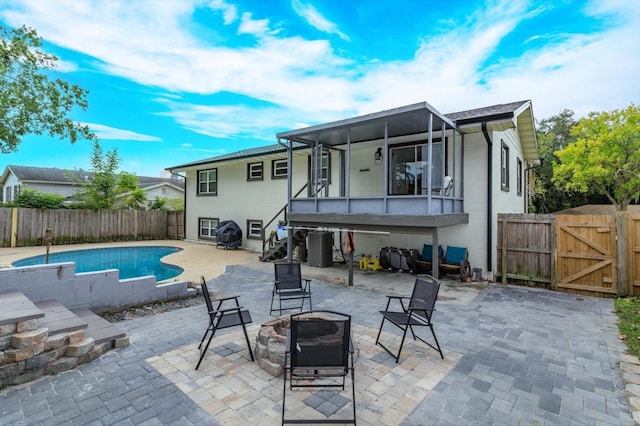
point(255, 171)
point(254, 229)
point(519, 177)
point(209, 178)
point(208, 225)
point(279, 169)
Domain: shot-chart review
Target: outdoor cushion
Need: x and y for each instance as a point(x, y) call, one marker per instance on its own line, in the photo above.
point(455, 255)
point(427, 252)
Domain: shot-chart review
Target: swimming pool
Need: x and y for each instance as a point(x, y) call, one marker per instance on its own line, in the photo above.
point(131, 261)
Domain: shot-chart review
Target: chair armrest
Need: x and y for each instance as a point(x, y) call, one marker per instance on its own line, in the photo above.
point(392, 296)
point(224, 311)
point(351, 348)
point(287, 342)
point(222, 299)
point(307, 284)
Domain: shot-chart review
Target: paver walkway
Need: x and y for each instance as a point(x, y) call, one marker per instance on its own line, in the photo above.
point(521, 356)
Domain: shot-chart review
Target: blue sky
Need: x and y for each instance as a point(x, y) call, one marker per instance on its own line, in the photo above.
point(178, 81)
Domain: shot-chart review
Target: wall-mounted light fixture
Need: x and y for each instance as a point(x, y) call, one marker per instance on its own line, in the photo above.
point(377, 157)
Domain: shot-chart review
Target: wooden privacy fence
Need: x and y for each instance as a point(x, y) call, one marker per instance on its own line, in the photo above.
point(595, 255)
point(26, 227)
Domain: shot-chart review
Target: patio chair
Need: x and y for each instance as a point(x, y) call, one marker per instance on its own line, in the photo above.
point(220, 318)
point(417, 313)
point(452, 260)
point(288, 286)
point(423, 263)
point(319, 354)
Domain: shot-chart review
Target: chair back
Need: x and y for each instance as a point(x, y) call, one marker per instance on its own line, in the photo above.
point(320, 339)
point(205, 293)
point(455, 255)
point(425, 294)
point(288, 276)
point(427, 252)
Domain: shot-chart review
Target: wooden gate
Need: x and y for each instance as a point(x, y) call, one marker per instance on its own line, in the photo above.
point(633, 253)
point(586, 255)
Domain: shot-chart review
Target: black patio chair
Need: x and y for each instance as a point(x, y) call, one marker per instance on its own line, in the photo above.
point(288, 285)
point(220, 318)
point(319, 354)
point(417, 313)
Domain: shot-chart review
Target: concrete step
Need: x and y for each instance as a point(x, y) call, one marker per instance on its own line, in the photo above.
point(99, 328)
point(59, 319)
point(16, 307)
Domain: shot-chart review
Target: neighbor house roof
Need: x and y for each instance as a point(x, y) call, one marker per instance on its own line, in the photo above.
point(63, 176)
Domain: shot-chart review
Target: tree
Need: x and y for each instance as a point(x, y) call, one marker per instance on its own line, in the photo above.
point(605, 156)
point(99, 192)
point(554, 133)
point(134, 197)
point(31, 103)
point(34, 199)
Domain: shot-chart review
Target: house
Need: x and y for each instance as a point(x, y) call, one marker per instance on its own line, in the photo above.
point(64, 182)
point(402, 177)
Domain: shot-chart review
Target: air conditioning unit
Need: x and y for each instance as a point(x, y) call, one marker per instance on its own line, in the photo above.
point(320, 249)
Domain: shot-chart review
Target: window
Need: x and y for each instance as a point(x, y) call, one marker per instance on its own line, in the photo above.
point(208, 182)
point(519, 177)
point(208, 228)
point(164, 191)
point(16, 192)
point(504, 167)
point(408, 164)
point(254, 171)
point(279, 169)
point(254, 229)
point(7, 194)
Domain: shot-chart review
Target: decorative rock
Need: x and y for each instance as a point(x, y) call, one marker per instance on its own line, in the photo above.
point(5, 342)
point(29, 338)
point(10, 370)
point(6, 329)
point(121, 342)
point(81, 348)
point(632, 389)
point(56, 341)
point(61, 364)
point(76, 336)
point(631, 368)
point(43, 359)
point(272, 368)
point(27, 376)
point(629, 359)
point(15, 355)
point(27, 325)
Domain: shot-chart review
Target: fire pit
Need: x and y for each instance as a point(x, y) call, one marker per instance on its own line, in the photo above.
point(271, 341)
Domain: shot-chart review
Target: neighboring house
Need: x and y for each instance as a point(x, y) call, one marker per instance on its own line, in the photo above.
point(401, 178)
point(60, 181)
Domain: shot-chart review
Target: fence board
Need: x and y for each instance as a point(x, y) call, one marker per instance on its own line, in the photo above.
point(81, 226)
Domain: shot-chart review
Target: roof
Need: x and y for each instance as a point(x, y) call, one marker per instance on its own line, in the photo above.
point(260, 151)
point(64, 176)
point(405, 120)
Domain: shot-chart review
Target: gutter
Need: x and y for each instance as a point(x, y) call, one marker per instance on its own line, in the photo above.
point(184, 198)
point(489, 193)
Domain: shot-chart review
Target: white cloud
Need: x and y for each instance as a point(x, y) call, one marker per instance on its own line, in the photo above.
point(111, 133)
point(306, 80)
point(316, 20)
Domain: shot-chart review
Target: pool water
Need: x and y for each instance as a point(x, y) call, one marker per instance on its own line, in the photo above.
point(131, 261)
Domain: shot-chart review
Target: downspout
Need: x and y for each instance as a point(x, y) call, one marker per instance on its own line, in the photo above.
point(184, 200)
point(489, 193)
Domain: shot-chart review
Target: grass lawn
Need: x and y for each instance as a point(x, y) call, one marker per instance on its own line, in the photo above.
point(628, 310)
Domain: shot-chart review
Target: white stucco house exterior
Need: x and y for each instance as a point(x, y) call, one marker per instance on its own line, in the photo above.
point(61, 181)
point(401, 177)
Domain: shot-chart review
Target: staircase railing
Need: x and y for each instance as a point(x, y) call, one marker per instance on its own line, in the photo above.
point(270, 239)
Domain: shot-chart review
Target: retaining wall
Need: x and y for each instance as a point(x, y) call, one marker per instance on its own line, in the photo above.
point(99, 291)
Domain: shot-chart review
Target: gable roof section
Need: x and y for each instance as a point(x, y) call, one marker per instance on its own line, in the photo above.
point(501, 117)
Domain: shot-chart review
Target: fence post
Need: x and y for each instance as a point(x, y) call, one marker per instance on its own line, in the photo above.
point(14, 227)
point(621, 248)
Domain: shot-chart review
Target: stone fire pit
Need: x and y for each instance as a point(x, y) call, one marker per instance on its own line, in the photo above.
point(271, 341)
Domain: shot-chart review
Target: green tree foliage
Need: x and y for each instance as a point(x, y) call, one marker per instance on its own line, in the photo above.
point(99, 192)
point(160, 203)
point(554, 133)
point(34, 199)
point(30, 102)
point(134, 197)
point(605, 156)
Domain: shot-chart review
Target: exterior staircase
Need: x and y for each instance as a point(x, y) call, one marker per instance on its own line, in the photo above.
point(44, 338)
